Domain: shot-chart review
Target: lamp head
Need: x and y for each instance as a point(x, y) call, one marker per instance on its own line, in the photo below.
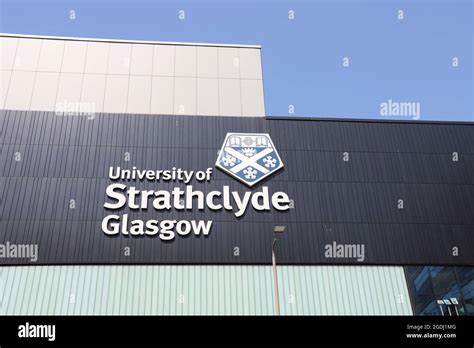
point(279, 229)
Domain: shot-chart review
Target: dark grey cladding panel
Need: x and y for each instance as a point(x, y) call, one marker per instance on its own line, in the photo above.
point(37, 198)
point(355, 202)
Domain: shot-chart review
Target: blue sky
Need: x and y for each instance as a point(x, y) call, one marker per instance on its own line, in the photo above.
point(407, 60)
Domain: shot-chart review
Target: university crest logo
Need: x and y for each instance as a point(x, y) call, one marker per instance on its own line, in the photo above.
point(249, 157)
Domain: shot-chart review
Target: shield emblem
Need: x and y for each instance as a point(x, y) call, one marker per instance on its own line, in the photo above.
point(249, 157)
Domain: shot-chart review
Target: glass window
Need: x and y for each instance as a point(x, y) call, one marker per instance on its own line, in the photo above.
point(465, 276)
point(421, 291)
point(441, 290)
point(447, 289)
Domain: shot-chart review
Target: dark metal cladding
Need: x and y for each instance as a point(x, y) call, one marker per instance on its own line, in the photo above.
point(352, 202)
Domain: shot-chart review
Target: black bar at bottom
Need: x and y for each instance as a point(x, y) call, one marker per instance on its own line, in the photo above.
point(249, 329)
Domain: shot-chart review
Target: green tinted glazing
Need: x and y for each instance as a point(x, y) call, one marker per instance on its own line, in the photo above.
point(202, 290)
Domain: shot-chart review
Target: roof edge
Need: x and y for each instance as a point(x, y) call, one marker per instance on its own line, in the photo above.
point(70, 38)
point(365, 120)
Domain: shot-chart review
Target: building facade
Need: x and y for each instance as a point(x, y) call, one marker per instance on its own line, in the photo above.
point(145, 178)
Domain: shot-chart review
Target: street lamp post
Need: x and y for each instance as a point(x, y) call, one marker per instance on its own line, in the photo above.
point(276, 230)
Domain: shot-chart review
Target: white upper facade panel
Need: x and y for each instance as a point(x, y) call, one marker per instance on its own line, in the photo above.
point(143, 77)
